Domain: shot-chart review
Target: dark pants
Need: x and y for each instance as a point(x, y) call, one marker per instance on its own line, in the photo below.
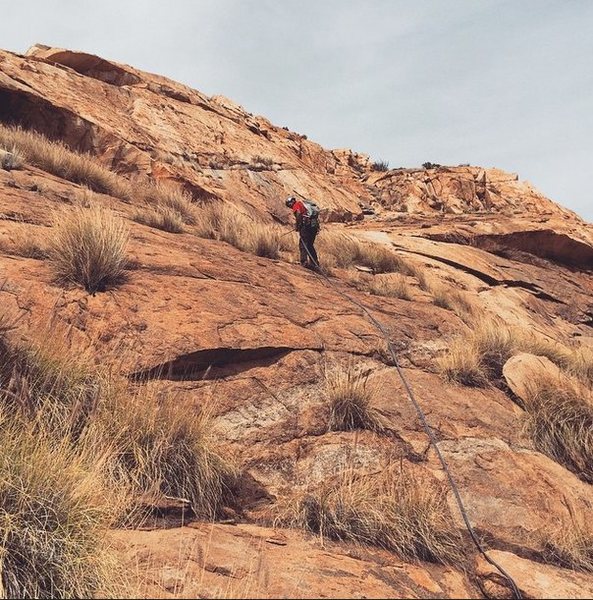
point(306, 246)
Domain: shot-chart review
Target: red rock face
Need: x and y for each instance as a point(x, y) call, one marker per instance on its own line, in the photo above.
point(203, 318)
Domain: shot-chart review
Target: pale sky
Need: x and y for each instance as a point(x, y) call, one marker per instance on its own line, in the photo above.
point(506, 83)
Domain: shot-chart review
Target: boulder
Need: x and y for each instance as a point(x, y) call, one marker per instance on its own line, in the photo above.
point(522, 370)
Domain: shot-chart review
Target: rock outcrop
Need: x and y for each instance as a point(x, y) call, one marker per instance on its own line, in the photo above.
point(254, 335)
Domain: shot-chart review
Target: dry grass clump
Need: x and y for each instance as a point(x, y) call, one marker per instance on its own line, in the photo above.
point(161, 449)
point(226, 223)
point(23, 242)
point(264, 161)
point(337, 249)
point(11, 159)
point(574, 361)
point(560, 423)
point(495, 344)
point(579, 363)
point(342, 250)
point(56, 158)
point(396, 510)
point(52, 387)
point(559, 411)
point(218, 221)
point(528, 341)
point(382, 259)
point(478, 357)
point(55, 503)
point(569, 544)
point(351, 396)
point(168, 198)
point(76, 452)
point(151, 444)
point(88, 247)
point(164, 218)
point(390, 285)
point(54, 515)
point(380, 165)
point(451, 299)
point(264, 240)
point(462, 364)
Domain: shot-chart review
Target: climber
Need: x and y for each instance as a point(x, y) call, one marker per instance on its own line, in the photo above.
point(306, 213)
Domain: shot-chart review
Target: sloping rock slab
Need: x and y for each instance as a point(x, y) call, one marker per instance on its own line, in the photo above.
point(534, 580)
point(247, 561)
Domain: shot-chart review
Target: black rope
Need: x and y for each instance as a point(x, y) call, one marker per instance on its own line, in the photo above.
point(427, 428)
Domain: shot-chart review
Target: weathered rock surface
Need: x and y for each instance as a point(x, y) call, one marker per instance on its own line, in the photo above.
point(246, 561)
point(534, 580)
point(522, 370)
point(253, 336)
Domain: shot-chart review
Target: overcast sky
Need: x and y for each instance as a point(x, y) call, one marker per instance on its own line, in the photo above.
point(506, 83)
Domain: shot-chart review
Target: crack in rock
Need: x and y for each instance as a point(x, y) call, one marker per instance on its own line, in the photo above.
point(214, 363)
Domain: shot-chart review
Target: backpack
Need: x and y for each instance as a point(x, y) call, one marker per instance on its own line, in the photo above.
point(312, 216)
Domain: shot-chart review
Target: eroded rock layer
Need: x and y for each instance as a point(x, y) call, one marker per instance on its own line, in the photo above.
point(253, 336)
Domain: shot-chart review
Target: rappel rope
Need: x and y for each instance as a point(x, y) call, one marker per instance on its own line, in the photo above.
point(427, 428)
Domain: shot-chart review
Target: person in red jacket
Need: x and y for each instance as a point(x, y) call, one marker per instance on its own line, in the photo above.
point(307, 224)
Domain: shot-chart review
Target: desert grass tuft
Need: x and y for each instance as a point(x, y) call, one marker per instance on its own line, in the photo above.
point(226, 223)
point(579, 363)
point(164, 218)
point(380, 165)
point(264, 161)
point(163, 450)
point(54, 516)
point(495, 344)
point(350, 396)
point(169, 198)
point(11, 159)
point(454, 300)
point(397, 510)
point(393, 285)
point(462, 364)
point(574, 361)
point(569, 544)
point(151, 443)
point(264, 239)
point(341, 250)
point(337, 249)
point(479, 356)
point(88, 247)
point(56, 158)
point(50, 385)
point(382, 259)
point(26, 242)
point(560, 423)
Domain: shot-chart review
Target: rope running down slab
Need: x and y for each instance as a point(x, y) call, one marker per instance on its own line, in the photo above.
point(427, 428)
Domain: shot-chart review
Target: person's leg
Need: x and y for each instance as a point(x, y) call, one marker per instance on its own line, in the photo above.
point(303, 247)
point(311, 246)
